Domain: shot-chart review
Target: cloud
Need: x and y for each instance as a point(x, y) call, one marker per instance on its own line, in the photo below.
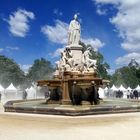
point(12, 48)
point(19, 22)
point(126, 21)
point(57, 12)
point(100, 10)
point(131, 46)
point(57, 52)
point(57, 33)
point(106, 1)
point(125, 60)
point(25, 67)
point(1, 49)
point(111, 71)
point(95, 43)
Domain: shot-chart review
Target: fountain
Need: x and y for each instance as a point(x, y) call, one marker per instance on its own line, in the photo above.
point(75, 79)
point(74, 89)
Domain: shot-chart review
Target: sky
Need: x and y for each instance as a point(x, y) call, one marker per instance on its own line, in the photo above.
point(31, 29)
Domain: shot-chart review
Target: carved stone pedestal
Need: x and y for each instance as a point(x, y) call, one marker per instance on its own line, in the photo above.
point(76, 52)
point(72, 87)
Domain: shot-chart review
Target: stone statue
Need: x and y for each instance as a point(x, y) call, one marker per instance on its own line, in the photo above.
point(67, 59)
point(63, 58)
point(87, 61)
point(72, 57)
point(74, 31)
point(59, 65)
point(70, 60)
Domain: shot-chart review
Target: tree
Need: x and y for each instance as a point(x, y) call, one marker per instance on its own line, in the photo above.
point(41, 69)
point(10, 72)
point(138, 74)
point(102, 66)
point(128, 76)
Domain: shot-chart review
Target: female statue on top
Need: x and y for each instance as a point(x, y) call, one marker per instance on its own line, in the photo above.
point(74, 31)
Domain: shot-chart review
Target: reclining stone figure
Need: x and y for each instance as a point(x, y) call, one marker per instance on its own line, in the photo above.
point(88, 62)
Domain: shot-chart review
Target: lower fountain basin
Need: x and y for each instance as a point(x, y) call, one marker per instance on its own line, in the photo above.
point(106, 106)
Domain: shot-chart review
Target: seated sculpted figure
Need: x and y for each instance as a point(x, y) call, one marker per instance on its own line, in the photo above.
point(70, 59)
point(88, 62)
point(59, 65)
point(74, 31)
point(63, 58)
point(67, 59)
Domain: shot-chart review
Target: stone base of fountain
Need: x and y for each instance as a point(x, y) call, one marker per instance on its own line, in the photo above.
point(106, 106)
point(73, 88)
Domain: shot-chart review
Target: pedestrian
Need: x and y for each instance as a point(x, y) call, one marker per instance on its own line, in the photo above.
point(24, 95)
point(128, 94)
point(98, 97)
point(131, 94)
point(135, 93)
point(46, 94)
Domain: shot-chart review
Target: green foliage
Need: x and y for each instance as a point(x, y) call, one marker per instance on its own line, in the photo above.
point(41, 69)
point(10, 72)
point(83, 45)
point(138, 73)
point(128, 76)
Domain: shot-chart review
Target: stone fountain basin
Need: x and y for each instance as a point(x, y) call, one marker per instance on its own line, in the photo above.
point(107, 106)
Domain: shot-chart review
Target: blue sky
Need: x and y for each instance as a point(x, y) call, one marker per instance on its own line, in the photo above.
point(31, 29)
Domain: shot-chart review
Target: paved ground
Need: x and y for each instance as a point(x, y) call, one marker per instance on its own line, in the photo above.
point(15, 126)
point(1, 107)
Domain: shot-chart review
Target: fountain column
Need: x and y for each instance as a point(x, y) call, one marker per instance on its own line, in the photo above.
point(65, 93)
